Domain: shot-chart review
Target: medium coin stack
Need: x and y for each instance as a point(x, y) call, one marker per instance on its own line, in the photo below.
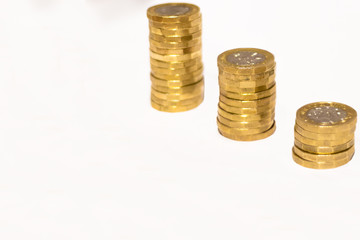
point(246, 110)
point(175, 57)
point(324, 135)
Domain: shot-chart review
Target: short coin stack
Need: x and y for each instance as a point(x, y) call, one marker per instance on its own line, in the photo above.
point(176, 57)
point(246, 110)
point(324, 135)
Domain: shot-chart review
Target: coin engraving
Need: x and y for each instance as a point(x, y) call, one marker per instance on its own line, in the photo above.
point(326, 114)
point(172, 10)
point(245, 58)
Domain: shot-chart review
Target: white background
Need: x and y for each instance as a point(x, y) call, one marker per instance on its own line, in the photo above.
point(84, 156)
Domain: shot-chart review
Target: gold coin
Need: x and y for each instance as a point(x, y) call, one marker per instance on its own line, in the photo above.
point(176, 97)
point(324, 149)
point(250, 124)
point(247, 83)
point(327, 143)
point(176, 38)
point(173, 83)
point(193, 88)
point(183, 25)
point(267, 101)
point(249, 96)
point(176, 64)
point(319, 165)
point(171, 102)
point(232, 88)
point(175, 45)
point(237, 110)
point(323, 136)
point(195, 74)
point(241, 131)
point(175, 58)
point(175, 31)
point(246, 61)
point(176, 108)
point(164, 51)
point(173, 12)
point(176, 71)
point(253, 137)
point(251, 77)
point(246, 117)
point(326, 117)
point(324, 157)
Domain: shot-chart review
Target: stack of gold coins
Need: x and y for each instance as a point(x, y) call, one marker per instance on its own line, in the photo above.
point(175, 57)
point(246, 110)
point(324, 135)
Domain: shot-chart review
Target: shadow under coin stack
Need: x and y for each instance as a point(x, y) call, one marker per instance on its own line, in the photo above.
point(324, 135)
point(175, 57)
point(246, 110)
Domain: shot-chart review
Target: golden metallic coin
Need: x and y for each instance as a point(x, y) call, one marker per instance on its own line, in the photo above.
point(183, 25)
point(253, 137)
point(176, 108)
point(175, 45)
point(173, 83)
point(251, 77)
point(325, 157)
point(246, 117)
point(176, 64)
point(177, 38)
point(175, 71)
point(324, 149)
point(249, 96)
point(195, 74)
point(327, 143)
point(247, 83)
point(177, 97)
point(173, 12)
point(175, 31)
point(246, 61)
point(176, 102)
point(232, 88)
point(175, 58)
point(248, 103)
point(193, 88)
point(323, 136)
point(164, 51)
point(326, 117)
point(319, 165)
point(250, 124)
point(241, 131)
point(237, 110)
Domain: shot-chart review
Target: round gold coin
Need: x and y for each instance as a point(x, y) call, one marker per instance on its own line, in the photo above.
point(249, 96)
point(250, 124)
point(183, 25)
point(325, 157)
point(173, 83)
point(324, 149)
point(195, 74)
point(173, 13)
point(175, 31)
point(263, 102)
point(177, 97)
point(246, 117)
point(251, 77)
point(164, 51)
point(241, 131)
point(232, 88)
point(193, 88)
point(237, 110)
point(246, 61)
point(176, 71)
point(253, 137)
point(324, 136)
point(176, 38)
point(176, 102)
point(175, 45)
point(176, 108)
point(247, 83)
point(175, 58)
point(326, 117)
point(319, 165)
point(327, 143)
point(176, 64)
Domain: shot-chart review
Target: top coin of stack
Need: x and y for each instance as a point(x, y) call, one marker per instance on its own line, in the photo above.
point(247, 94)
point(175, 57)
point(324, 135)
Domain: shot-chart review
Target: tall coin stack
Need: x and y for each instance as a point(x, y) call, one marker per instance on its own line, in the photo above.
point(324, 135)
point(246, 110)
point(175, 57)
